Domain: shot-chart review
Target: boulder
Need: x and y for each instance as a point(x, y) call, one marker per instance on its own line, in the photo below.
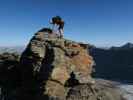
point(54, 62)
point(52, 68)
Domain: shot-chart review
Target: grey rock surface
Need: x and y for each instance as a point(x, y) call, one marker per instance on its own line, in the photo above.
point(52, 68)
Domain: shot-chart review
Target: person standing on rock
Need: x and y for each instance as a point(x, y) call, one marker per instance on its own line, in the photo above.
point(57, 20)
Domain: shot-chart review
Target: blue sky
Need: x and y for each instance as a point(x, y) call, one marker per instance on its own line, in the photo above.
point(99, 22)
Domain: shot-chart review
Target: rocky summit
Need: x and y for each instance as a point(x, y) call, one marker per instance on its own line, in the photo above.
point(53, 68)
point(56, 63)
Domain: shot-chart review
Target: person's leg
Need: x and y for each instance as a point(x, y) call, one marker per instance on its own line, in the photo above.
point(61, 33)
point(53, 27)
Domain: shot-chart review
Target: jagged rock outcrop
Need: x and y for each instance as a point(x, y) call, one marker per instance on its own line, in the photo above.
point(53, 68)
point(56, 63)
point(9, 75)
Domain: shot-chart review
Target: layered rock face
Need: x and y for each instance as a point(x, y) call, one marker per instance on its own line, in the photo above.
point(57, 64)
point(52, 68)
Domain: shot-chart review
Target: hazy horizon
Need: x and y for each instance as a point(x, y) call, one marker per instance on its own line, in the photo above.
point(103, 23)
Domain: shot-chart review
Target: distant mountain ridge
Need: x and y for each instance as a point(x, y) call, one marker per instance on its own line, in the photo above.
point(114, 63)
point(18, 49)
point(126, 46)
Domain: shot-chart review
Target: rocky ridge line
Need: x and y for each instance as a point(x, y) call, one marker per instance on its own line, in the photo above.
point(53, 68)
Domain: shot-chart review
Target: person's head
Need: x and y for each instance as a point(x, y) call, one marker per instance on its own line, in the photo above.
point(56, 20)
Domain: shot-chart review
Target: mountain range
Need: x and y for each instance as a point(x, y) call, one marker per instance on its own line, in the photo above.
point(13, 49)
point(115, 63)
